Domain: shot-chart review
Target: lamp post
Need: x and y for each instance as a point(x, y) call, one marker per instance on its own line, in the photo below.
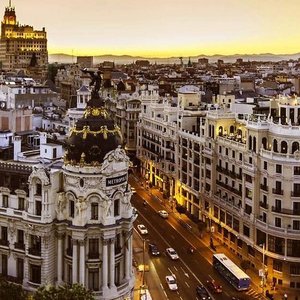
point(263, 270)
point(143, 274)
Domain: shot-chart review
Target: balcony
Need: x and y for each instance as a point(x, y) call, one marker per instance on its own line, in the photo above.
point(295, 193)
point(286, 211)
point(277, 191)
point(264, 187)
point(4, 243)
point(263, 205)
point(20, 246)
point(93, 255)
point(35, 251)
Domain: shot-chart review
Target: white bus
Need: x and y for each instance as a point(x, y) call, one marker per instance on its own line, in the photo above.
point(231, 272)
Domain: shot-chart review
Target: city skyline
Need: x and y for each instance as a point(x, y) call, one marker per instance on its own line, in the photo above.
point(163, 29)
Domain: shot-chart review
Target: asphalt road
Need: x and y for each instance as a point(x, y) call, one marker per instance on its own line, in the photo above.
point(191, 269)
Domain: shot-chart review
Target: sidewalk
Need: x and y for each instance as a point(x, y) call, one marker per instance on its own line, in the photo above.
point(151, 279)
point(205, 238)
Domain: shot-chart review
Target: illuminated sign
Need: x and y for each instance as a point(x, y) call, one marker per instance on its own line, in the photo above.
point(116, 180)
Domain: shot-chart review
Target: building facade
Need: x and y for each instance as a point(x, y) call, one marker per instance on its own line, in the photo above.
point(70, 220)
point(21, 45)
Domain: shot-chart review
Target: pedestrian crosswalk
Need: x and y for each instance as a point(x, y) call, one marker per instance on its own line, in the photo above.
point(254, 294)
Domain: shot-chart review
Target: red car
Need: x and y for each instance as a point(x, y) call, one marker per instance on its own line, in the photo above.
point(214, 287)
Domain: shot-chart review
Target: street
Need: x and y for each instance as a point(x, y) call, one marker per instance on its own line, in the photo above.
point(192, 268)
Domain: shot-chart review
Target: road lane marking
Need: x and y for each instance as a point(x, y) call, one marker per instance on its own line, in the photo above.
point(175, 268)
point(187, 284)
point(170, 270)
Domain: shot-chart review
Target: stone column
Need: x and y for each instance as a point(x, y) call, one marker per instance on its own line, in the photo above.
point(82, 263)
point(104, 264)
point(60, 251)
point(112, 263)
point(75, 263)
point(130, 255)
point(127, 258)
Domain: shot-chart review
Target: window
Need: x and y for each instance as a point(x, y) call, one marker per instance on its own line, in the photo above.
point(265, 165)
point(233, 154)
point(241, 156)
point(21, 203)
point(296, 224)
point(277, 265)
point(38, 208)
point(4, 264)
point(278, 169)
point(250, 160)
point(94, 279)
point(38, 190)
point(116, 207)
point(20, 240)
point(246, 231)
point(296, 170)
point(94, 211)
point(35, 273)
point(277, 222)
point(20, 268)
point(5, 200)
point(226, 151)
point(295, 269)
point(93, 248)
point(71, 208)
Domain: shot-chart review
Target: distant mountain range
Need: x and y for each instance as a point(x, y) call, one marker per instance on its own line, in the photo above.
point(128, 59)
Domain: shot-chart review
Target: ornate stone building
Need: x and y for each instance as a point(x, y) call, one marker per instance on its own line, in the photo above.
point(71, 221)
point(21, 45)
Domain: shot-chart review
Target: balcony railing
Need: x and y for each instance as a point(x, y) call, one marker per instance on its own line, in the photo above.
point(4, 242)
point(35, 251)
point(277, 191)
point(264, 187)
point(295, 193)
point(286, 211)
point(20, 246)
point(264, 205)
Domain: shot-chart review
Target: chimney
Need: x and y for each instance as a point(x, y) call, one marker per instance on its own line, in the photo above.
point(17, 146)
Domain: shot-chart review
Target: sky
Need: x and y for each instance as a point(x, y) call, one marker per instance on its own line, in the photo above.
point(164, 28)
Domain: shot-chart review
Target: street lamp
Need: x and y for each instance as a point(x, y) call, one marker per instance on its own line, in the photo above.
point(263, 276)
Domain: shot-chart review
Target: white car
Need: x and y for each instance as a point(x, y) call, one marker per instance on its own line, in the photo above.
point(172, 253)
point(142, 229)
point(163, 214)
point(171, 281)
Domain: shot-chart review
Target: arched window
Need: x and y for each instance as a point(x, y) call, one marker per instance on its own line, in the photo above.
point(284, 147)
point(220, 131)
point(94, 211)
point(275, 146)
point(264, 143)
point(250, 142)
point(231, 129)
point(295, 146)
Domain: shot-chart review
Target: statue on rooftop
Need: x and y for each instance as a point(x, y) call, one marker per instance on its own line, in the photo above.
point(96, 81)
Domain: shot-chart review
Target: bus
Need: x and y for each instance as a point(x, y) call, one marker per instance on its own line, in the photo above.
point(231, 272)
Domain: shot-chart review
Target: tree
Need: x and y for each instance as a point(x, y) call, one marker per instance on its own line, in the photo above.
point(63, 292)
point(10, 290)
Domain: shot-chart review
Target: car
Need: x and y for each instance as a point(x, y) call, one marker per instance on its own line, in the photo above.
point(163, 214)
point(133, 190)
point(202, 292)
point(153, 249)
point(172, 253)
point(142, 229)
point(171, 281)
point(213, 286)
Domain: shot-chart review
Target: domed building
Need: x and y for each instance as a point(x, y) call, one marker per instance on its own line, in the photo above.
point(95, 217)
point(70, 220)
